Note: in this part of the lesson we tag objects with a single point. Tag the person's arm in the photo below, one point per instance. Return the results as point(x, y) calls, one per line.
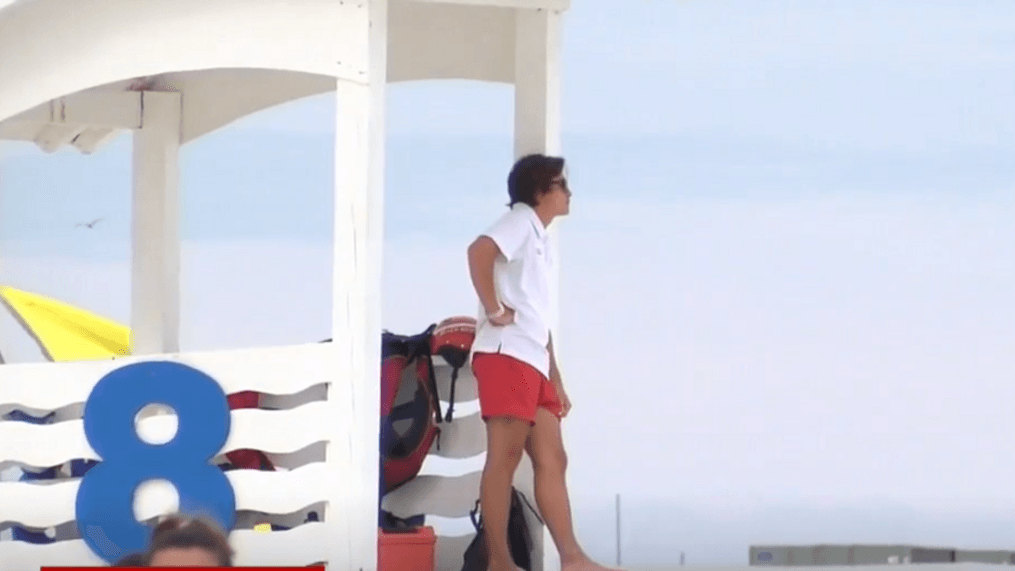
point(555, 376)
point(557, 380)
point(504, 238)
point(482, 254)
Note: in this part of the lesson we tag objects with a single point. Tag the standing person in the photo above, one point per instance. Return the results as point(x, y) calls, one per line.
point(521, 392)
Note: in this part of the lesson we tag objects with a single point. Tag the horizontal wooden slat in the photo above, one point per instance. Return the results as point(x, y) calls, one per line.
point(272, 401)
point(44, 445)
point(280, 492)
point(35, 505)
point(292, 460)
point(67, 412)
point(297, 547)
point(284, 460)
point(23, 556)
point(289, 376)
point(275, 370)
point(437, 495)
point(283, 430)
point(303, 545)
point(268, 401)
point(464, 437)
point(248, 519)
point(63, 532)
point(273, 431)
point(38, 506)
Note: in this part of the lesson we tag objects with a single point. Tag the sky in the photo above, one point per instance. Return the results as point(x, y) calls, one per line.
point(786, 281)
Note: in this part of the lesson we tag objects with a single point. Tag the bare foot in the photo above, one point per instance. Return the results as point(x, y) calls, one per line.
point(583, 563)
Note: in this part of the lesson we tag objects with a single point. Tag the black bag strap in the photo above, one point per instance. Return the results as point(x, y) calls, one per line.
point(433, 386)
point(420, 348)
point(414, 347)
point(451, 401)
point(477, 518)
point(525, 500)
point(477, 522)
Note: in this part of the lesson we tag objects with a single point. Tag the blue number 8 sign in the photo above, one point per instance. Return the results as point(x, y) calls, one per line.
point(105, 500)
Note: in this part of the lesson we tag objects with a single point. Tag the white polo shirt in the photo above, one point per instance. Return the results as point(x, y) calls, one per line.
point(521, 276)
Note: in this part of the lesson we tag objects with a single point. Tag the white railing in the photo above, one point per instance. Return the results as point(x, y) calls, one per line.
point(296, 421)
point(296, 437)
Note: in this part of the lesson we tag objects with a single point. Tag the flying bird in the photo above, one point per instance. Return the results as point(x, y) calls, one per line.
point(90, 224)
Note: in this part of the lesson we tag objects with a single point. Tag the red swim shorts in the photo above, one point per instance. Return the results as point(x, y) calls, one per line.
point(510, 387)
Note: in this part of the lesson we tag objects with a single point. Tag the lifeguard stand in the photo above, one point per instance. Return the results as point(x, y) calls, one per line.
point(81, 73)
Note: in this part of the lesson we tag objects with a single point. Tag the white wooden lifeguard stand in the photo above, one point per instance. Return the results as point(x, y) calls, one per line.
point(81, 73)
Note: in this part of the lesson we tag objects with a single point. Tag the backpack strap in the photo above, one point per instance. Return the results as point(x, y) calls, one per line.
point(525, 500)
point(451, 401)
point(477, 522)
point(421, 348)
point(415, 347)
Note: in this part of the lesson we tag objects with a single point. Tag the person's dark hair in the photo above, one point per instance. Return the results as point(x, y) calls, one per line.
point(132, 560)
point(180, 532)
point(531, 176)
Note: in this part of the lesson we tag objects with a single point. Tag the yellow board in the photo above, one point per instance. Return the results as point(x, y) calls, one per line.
point(65, 332)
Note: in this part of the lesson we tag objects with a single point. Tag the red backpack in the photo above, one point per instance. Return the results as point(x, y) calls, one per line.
point(410, 407)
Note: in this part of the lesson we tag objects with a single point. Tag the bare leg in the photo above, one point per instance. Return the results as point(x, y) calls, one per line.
point(549, 462)
point(505, 442)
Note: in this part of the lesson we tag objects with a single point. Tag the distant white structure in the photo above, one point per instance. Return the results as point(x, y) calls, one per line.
point(821, 555)
point(81, 73)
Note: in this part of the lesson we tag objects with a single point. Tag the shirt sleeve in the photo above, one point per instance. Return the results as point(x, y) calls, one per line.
point(509, 234)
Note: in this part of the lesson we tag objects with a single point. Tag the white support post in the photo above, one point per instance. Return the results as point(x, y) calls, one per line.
point(356, 325)
point(376, 160)
point(155, 287)
point(537, 130)
point(537, 82)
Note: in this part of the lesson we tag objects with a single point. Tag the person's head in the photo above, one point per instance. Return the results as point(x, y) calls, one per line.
point(538, 180)
point(188, 542)
point(132, 560)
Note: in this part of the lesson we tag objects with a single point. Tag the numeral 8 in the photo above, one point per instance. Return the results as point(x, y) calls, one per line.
point(105, 500)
